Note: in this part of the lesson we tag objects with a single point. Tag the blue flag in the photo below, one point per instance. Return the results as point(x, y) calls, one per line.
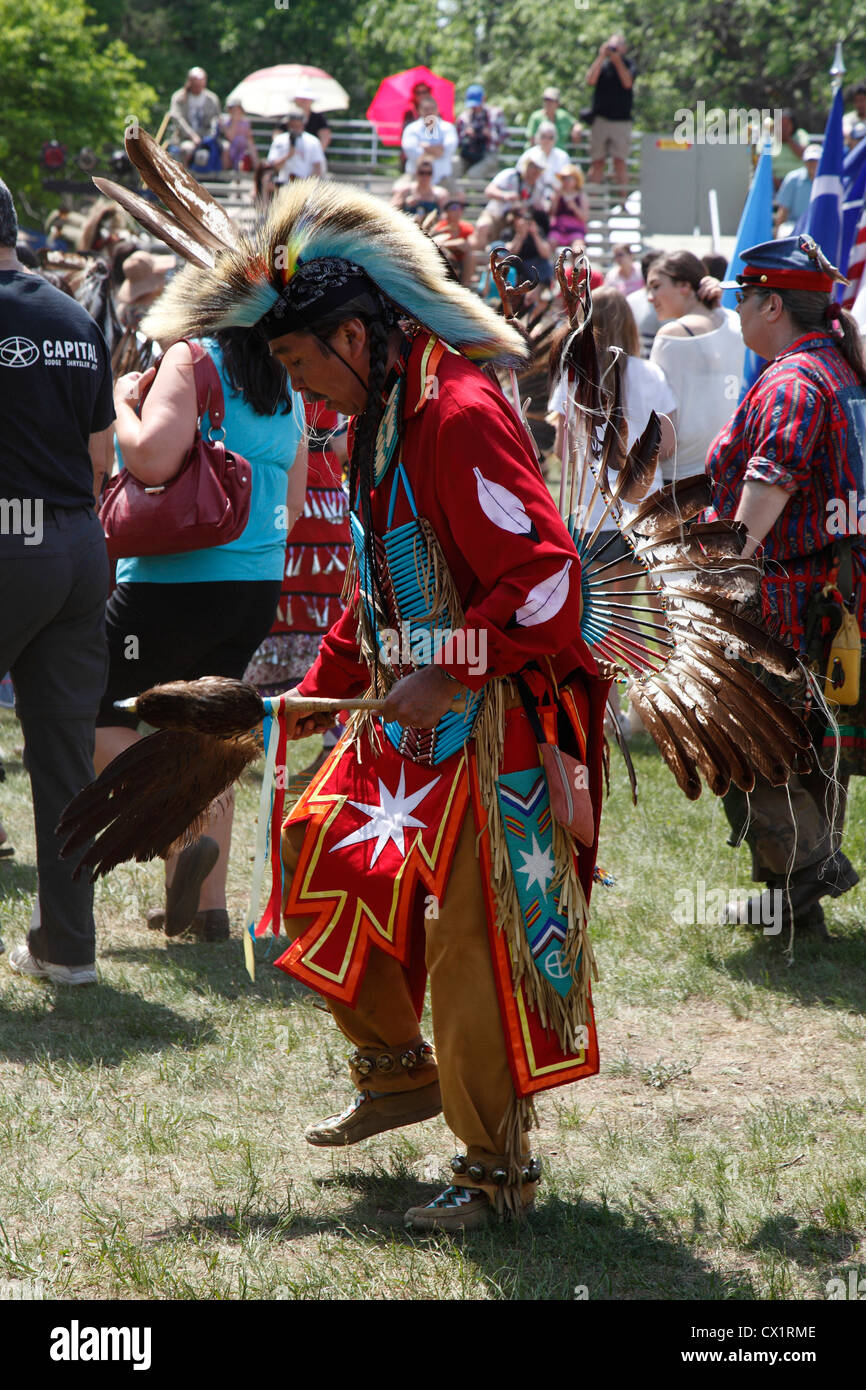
point(852, 208)
point(756, 226)
point(824, 216)
point(854, 161)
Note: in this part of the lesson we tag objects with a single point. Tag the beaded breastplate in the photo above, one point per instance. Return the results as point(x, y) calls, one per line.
point(418, 593)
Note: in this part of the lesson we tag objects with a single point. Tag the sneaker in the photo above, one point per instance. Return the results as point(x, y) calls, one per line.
point(455, 1209)
point(373, 1112)
point(181, 898)
point(21, 962)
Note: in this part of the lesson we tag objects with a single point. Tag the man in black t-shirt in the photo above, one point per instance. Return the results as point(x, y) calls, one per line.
point(56, 435)
point(314, 123)
point(612, 75)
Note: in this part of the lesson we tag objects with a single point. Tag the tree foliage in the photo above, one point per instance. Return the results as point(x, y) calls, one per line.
point(64, 75)
point(737, 53)
point(62, 78)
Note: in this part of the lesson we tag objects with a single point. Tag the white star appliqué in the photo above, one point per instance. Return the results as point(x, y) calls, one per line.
point(538, 866)
point(390, 819)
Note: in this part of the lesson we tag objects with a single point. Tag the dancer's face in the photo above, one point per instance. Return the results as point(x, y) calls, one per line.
point(321, 372)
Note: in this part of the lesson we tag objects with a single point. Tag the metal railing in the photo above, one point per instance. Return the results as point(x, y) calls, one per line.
point(357, 143)
point(357, 154)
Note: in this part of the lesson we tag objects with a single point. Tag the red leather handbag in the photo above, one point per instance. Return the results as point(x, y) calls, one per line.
point(206, 503)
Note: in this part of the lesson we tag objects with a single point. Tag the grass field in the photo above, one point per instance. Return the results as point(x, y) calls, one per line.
point(150, 1127)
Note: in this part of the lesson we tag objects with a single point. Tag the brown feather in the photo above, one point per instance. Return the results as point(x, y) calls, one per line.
point(714, 710)
point(754, 690)
point(640, 466)
point(722, 622)
point(161, 223)
point(211, 705)
point(667, 740)
point(678, 707)
point(679, 500)
point(717, 715)
point(699, 543)
point(720, 537)
point(190, 203)
point(770, 752)
point(150, 795)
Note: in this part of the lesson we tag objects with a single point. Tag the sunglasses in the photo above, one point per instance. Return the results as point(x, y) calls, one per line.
point(425, 169)
point(742, 295)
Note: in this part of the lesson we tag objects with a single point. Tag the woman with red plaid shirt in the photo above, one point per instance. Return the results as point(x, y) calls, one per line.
point(790, 457)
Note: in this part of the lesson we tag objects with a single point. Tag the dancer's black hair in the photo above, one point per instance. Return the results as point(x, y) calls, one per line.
point(380, 319)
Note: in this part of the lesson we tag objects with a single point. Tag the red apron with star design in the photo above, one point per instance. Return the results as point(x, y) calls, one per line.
point(380, 828)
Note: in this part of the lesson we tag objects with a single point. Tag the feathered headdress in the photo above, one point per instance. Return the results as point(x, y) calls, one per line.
point(312, 221)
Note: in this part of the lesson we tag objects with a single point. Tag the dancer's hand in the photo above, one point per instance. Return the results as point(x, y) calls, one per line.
point(300, 725)
point(419, 700)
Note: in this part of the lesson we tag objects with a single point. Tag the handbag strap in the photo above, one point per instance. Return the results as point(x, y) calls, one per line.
point(209, 398)
point(208, 387)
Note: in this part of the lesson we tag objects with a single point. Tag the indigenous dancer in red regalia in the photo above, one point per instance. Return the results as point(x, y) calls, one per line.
point(426, 846)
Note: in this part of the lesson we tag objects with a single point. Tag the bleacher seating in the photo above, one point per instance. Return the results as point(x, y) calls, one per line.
point(357, 155)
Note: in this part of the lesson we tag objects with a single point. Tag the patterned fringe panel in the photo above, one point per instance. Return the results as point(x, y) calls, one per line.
point(567, 1016)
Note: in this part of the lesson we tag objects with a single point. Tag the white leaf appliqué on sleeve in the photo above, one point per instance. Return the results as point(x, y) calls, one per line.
point(502, 507)
point(545, 600)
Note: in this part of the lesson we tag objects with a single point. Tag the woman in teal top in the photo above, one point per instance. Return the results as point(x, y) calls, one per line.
point(204, 612)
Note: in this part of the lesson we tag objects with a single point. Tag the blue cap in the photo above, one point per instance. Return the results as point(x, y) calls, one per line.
point(474, 94)
point(791, 263)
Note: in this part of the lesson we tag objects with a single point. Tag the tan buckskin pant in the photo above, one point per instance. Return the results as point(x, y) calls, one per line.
point(475, 1080)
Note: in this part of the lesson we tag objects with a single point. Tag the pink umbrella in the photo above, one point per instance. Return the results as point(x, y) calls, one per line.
point(394, 97)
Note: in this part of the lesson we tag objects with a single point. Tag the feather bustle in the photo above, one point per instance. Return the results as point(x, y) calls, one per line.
point(667, 740)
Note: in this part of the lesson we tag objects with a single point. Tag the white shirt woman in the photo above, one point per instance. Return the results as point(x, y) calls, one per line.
point(644, 389)
point(701, 352)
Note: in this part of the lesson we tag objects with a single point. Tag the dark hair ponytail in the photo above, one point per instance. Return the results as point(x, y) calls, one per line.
point(253, 372)
point(817, 313)
point(379, 318)
point(681, 267)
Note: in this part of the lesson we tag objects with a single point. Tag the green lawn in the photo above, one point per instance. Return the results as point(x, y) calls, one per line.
point(150, 1127)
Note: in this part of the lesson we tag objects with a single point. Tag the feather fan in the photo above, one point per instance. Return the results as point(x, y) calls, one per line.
point(152, 797)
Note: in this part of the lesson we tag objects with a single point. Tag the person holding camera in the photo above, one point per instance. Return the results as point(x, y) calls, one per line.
point(294, 154)
point(481, 132)
point(612, 75)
